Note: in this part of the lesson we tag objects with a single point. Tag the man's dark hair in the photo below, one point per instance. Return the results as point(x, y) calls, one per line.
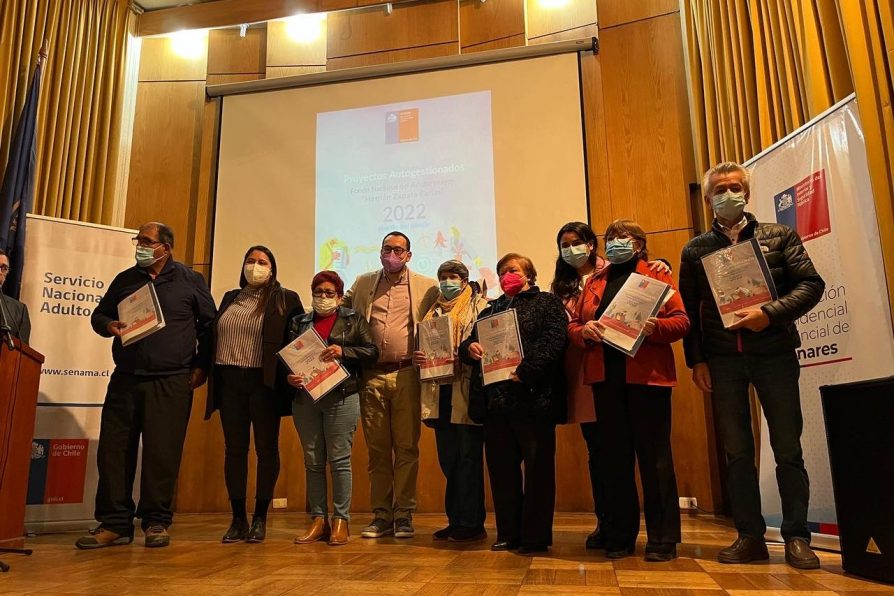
point(165, 233)
point(396, 233)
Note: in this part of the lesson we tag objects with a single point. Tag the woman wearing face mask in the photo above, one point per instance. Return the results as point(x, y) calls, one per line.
point(576, 263)
point(632, 402)
point(248, 331)
point(326, 427)
point(520, 415)
point(445, 406)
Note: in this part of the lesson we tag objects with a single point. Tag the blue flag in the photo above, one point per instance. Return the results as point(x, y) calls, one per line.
point(17, 191)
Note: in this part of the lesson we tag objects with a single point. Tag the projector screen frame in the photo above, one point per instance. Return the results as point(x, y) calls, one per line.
point(588, 44)
point(217, 94)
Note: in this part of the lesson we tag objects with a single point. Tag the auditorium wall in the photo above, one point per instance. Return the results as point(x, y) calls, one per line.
point(640, 165)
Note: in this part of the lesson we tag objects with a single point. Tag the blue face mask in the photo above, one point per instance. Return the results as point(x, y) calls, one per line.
point(729, 205)
point(145, 256)
point(451, 288)
point(619, 250)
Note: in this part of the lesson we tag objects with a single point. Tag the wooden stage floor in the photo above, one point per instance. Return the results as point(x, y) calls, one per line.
point(197, 563)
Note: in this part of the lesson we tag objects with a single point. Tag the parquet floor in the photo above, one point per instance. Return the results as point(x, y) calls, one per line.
point(197, 564)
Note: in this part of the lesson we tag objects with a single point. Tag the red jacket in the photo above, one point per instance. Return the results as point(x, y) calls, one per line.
point(654, 362)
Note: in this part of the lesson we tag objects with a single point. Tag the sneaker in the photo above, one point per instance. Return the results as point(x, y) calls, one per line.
point(462, 534)
point(403, 528)
point(378, 528)
point(442, 534)
point(101, 538)
point(157, 536)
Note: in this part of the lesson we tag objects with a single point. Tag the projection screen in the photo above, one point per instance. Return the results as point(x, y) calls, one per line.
point(470, 162)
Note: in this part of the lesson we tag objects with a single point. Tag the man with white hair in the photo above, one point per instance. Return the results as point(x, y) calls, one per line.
point(759, 349)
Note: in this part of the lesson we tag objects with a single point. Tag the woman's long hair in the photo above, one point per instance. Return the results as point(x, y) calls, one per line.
point(566, 281)
point(271, 286)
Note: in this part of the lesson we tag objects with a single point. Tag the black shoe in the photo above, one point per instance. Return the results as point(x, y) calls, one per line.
point(403, 528)
point(744, 550)
point(258, 531)
point(530, 549)
point(660, 553)
point(442, 534)
point(463, 534)
point(503, 545)
point(237, 531)
point(156, 536)
point(619, 552)
point(596, 540)
point(799, 555)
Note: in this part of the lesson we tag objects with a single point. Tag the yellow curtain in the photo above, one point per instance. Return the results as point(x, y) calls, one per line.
point(869, 37)
point(760, 69)
point(81, 98)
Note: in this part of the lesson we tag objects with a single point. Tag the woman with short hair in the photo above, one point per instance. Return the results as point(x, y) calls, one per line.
point(520, 414)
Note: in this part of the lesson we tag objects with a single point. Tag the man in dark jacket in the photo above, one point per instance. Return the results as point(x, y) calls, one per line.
point(150, 392)
point(15, 313)
point(759, 350)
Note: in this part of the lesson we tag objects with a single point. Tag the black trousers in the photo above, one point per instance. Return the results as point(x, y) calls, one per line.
point(461, 456)
point(246, 404)
point(635, 423)
point(590, 431)
point(776, 380)
point(523, 503)
point(156, 408)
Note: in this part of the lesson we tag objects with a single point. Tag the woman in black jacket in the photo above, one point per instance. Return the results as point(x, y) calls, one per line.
point(520, 415)
point(326, 426)
point(248, 331)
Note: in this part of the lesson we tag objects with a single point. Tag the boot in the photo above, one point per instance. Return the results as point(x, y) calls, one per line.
point(340, 532)
point(319, 530)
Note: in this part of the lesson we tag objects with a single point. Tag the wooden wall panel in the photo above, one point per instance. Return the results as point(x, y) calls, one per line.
point(544, 19)
point(166, 141)
point(228, 53)
point(503, 43)
point(647, 122)
point(488, 22)
point(289, 71)
point(223, 79)
point(352, 33)
point(598, 175)
point(591, 30)
point(282, 50)
point(420, 53)
point(222, 13)
point(619, 12)
point(160, 62)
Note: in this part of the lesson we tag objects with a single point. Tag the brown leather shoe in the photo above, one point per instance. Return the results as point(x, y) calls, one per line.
point(799, 555)
point(744, 550)
point(319, 530)
point(340, 532)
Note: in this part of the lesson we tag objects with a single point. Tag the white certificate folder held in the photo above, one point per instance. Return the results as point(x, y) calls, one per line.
point(303, 357)
point(739, 278)
point(498, 335)
point(639, 299)
point(435, 337)
point(141, 314)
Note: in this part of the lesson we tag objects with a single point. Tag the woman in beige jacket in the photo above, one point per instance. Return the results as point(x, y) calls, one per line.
point(445, 406)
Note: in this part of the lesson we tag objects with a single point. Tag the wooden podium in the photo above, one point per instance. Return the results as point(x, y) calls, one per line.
point(19, 381)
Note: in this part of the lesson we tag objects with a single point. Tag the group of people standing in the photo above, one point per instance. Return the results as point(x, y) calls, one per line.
point(567, 374)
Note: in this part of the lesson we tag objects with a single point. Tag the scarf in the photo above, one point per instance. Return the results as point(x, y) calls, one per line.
point(459, 310)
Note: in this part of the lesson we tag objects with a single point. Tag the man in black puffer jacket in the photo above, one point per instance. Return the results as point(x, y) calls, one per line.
point(758, 349)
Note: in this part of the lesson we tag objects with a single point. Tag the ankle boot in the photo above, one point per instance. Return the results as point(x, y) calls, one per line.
point(340, 532)
point(319, 530)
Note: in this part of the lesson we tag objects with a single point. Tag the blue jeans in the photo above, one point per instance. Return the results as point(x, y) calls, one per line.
point(775, 378)
point(326, 429)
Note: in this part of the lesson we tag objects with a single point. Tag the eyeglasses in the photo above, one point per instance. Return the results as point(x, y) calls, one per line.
point(143, 241)
point(393, 249)
point(4, 268)
point(325, 294)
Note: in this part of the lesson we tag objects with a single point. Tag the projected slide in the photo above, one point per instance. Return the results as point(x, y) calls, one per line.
point(424, 168)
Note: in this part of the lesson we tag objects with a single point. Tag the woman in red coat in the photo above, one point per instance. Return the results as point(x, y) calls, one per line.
point(633, 401)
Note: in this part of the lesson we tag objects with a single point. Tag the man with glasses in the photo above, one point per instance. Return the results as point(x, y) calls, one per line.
point(392, 299)
point(150, 392)
point(16, 313)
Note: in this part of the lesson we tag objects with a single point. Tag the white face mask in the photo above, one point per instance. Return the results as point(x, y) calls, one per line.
point(256, 274)
point(324, 306)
